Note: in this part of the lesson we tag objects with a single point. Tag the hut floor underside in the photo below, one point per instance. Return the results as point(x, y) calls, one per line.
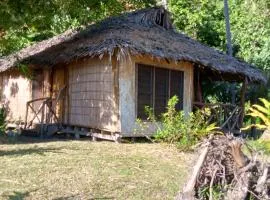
point(71, 130)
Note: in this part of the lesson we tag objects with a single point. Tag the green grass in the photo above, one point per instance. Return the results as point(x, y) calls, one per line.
point(91, 170)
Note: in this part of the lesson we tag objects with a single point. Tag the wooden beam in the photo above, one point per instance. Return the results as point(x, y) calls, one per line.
point(38, 99)
point(242, 101)
point(35, 114)
point(67, 111)
point(113, 136)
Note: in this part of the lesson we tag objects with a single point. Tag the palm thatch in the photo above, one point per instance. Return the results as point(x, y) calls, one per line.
point(144, 32)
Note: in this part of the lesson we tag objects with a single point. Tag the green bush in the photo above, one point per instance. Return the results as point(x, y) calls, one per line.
point(2, 121)
point(184, 131)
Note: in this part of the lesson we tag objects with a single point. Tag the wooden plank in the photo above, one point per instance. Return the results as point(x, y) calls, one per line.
point(112, 137)
point(42, 120)
point(38, 99)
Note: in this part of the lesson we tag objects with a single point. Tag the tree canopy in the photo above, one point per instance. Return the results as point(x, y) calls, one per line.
point(250, 26)
point(23, 22)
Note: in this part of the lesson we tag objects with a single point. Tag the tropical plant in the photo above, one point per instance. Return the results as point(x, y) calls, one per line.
point(261, 112)
point(183, 130)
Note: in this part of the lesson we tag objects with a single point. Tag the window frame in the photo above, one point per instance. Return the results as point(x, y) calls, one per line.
point(137, 65)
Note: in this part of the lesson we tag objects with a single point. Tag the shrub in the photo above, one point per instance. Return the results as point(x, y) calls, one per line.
point(2, 120)
point(184, 131)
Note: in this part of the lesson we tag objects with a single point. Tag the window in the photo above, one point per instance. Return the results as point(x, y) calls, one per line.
point(154, 88)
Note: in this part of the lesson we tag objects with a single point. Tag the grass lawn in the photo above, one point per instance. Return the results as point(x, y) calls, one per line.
point(91, 170)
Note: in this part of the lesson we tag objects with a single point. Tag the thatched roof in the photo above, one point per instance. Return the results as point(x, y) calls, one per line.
point(144, 32)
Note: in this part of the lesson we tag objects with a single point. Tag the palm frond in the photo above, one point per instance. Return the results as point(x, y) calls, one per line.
point(262, 112)
point(265, 102)
point(258, 126)
point(262, 109)
point(256, 113)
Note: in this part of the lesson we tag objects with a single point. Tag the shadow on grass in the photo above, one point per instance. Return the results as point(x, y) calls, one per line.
point(30, 139)
point(75, 197)
point(22, 152)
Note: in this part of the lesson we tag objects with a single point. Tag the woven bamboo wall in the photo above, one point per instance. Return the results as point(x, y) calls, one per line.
point(15, 92)
point(91, 99)
point(59, 82)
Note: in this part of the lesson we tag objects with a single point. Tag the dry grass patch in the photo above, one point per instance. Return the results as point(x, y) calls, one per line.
point(88, 170)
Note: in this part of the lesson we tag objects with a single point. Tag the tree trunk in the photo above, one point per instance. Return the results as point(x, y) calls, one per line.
point(228, 28)
point(229, 46)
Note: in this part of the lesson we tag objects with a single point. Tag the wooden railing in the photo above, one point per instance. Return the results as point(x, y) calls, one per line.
point(228, 117)
point(44, 114)
point(43, 111)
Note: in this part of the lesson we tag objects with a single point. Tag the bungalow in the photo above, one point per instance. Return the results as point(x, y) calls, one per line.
point(100, 79)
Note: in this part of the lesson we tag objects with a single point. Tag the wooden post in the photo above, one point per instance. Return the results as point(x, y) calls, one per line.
point(67, 111)
point(242, 101)
point(26, 116)
point(199, 87)
point(42, 120)
point(76, 133)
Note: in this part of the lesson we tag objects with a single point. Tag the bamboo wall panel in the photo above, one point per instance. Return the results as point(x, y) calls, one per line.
point(16, 91)
point(91, 95)
point(58, 84)
point(37, 86)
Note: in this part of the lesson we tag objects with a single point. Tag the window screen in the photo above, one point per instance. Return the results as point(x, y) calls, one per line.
point(154, 88)
point(145, 89)
point(161, 90)
point(177, 87)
